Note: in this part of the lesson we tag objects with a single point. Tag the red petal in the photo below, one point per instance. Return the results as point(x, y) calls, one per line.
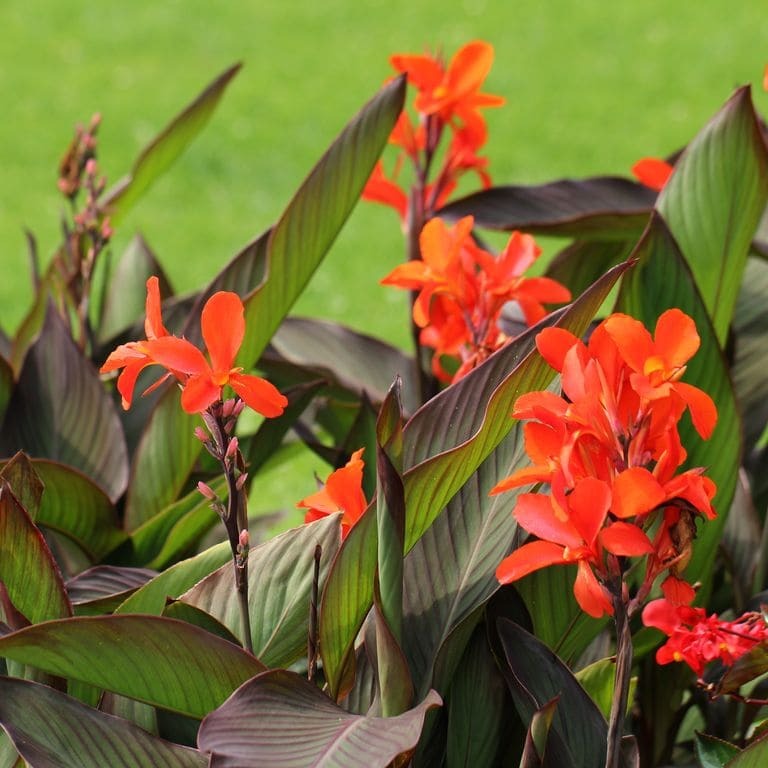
point(588, 505)
point(636, 492)
point(259, 394)
point(153, 322)
point(590, 594)
point(176, 355)
point(625, 539)
point(223, 326)
point(529, 558)
point(534, 512)
point(662, 615)
point(524, 476)
point(198, 393)
point(702, 408)
point(676, 338)
point(652, 172)
point(678, 591)
point(553, 344)
point(469, 66)
point(126, 382)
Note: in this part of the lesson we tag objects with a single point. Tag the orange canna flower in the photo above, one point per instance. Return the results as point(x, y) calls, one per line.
point(223, 329)
point(652, 172)
point(342, 492)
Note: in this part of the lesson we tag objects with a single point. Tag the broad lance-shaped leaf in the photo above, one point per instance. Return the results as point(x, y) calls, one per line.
point(444, 443)
point(714, 200)
point(25, 482)
point(280, 573)
point(535, 676)
point(53, 730)
point(662, 280)
point(27, 568)
point(59, 410)
point(712, 752)
point(102, 588)
point(77, 508)
point(270, 273)
point(598, 208)
point(279, 720)
point(163, 662)
point(163, 150)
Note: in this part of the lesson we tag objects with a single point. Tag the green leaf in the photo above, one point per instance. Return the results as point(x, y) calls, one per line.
point(536, 676)
point(714, 200)
point(598, 679)
point(280, 573)
point(712, 752)
point(27, 568)
point(75, 507)
point(53, 730)
point(102, 588)
point(178, 578)
point(126, 293)
point(6, 386)
point(754, 756)
point(662, 280)
point(538, 733)
point(745, 669)
point(347, 358)
point(26, 484)
point(155, 159)
point(159, 661)
point(59, 410)
point(273, 270)
point(475, 708)
point(163, 459)
point(601, 208)
point(279, 720)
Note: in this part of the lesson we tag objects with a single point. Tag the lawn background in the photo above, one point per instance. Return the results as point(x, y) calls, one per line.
point(590, 87)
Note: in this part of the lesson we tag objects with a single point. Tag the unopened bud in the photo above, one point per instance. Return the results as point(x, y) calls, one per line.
point(90, 166)
point(201, 434)
point(232, 448)
point(206, 490)
point(238, 407)
point(240, 482)
point(244, 539)
point(227, 407)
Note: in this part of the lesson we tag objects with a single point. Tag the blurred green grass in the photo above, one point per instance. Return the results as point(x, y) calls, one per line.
point(590, 87)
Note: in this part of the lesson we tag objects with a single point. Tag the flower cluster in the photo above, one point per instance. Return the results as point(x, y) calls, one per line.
point(463, 288)
point(609, 450)
point(446, 97)
point(342, 492)
point(698, 639)
point(223, 328)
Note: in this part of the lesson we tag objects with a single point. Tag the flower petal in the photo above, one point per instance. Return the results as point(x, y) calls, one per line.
point(625, 540)
point(592, 597)
point(176, 355)
point(553, 344)
point(259, 394)
point(528, 558)
point(534, 512)
point(676, 338)
point(701, 406)
point(223, 326)
point(636, 492)
point(652, 172)
point(199, 392)
point(153, 321)
point(632, 338)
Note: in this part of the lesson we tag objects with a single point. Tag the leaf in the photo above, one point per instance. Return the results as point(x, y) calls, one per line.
point(714, 200)
point(598, 680)
point(475, 708)
point(395, 687)
point(163, 459)
point(126, 291)
point(155, 159)
point(279, 720)
point(178, 578)
point(26, 484)
point(712, 752)
point(102, 588)
point(754, 756)
point(538, 733)
point(75, 507)
point(600, 208)
point(27, 568)
point(6, 386)
point(745, 669)
point(271, 274)
point(53, 730)
point(347, 358)
point(163, 662)
point(662, 280)
point(535, 677)
point(280, 573)
point(59, 410)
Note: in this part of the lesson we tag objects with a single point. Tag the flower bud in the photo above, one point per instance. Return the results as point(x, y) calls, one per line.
point(206, 490)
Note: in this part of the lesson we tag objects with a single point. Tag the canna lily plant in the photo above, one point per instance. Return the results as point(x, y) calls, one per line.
point(553, 552)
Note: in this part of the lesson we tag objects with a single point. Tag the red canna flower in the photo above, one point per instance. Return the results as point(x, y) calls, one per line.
point(223, 329)
point(698, 639)
point(652, 172)
point(343, 492)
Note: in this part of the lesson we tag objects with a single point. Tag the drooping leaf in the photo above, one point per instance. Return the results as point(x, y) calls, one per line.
point(192, 615)
point(350, 359)
point(102, 588)
point(279, 720)
point(27, 568)
point(280, 573)
point(163, 150)
point(475, 708)
point(178, 578)
point(60, 411)
point(662, 280)
point(600, 208)
point(712, 752)
point(271, 274)
point(713, 203)
point(25, 482)
point(536, 676)
point(75, 507)
point(126, 291)
point(53, 730)
point(163, 662)
point(163, 459)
